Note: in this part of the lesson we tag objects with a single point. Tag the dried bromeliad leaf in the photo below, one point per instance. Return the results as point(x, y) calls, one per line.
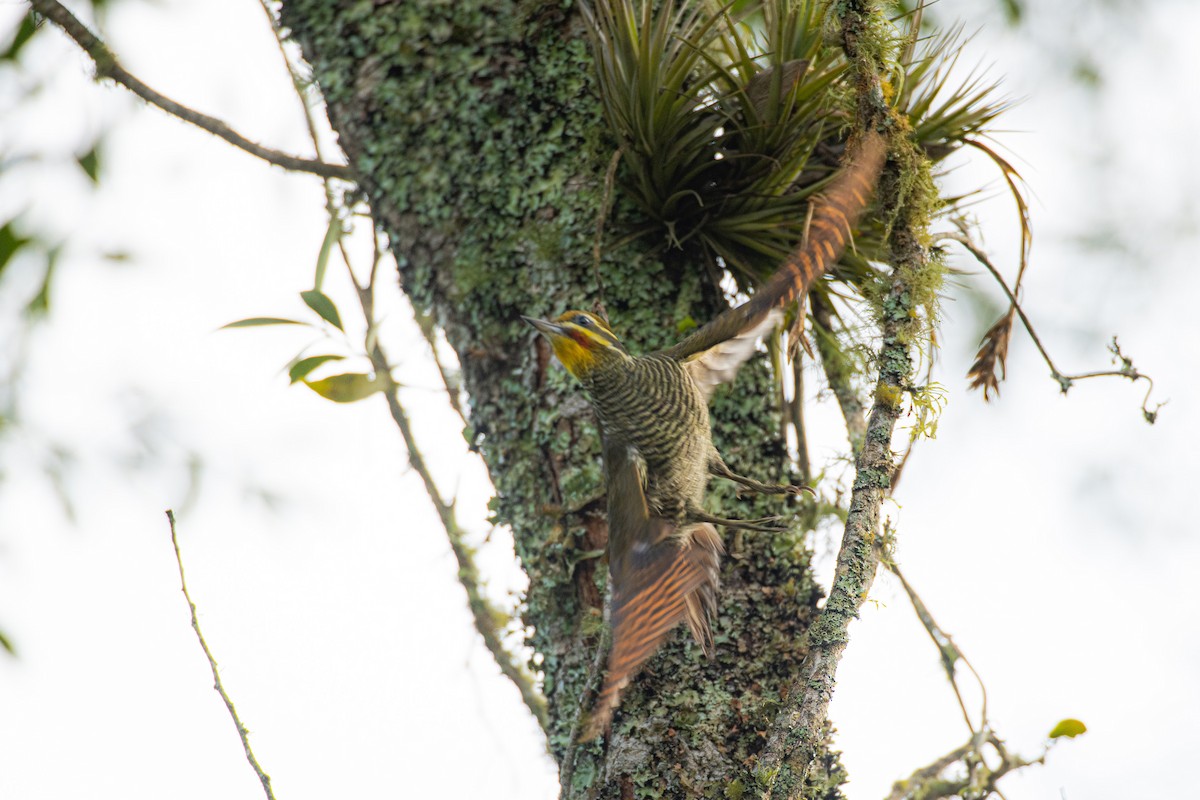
point(989, 367)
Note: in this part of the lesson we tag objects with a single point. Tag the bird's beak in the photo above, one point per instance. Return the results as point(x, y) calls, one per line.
point(548, 328)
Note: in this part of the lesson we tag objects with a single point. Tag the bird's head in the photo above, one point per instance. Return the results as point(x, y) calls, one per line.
point(581, 340)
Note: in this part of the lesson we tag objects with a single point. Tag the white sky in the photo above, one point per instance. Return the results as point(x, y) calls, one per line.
point(1052, 537)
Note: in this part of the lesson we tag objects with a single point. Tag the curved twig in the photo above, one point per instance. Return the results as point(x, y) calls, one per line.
point(212, 663)
point(949, 651)
point(107, 66)
point(1064, 380)
point(930, 783)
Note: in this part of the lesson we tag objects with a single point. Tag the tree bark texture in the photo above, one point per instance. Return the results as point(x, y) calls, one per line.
point(476, 133)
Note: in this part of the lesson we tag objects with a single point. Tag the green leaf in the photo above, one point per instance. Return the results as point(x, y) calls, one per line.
point(89, 162)
point(10, 243)
point(25, 32)
point(346, 388)
point(6, 644)
point(39, 304)
point(300, 369)
point(324, 307)
point(254, 322)
point(332, 234)
point(1069, 728)
point(1013, 11)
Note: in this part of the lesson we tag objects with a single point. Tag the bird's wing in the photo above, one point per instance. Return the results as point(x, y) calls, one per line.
point(835, 213)
point(719, 363)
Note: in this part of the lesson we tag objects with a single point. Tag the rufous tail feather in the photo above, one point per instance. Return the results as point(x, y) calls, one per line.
point(651, 595)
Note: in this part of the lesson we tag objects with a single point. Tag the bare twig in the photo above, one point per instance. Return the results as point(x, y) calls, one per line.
point(484, 614)
point(947, 649)
point(920, 778)
point(931, 782)
point(962, 238)
point(243, 734)
point(837, 376)
point(797, 409)
point(450, 377)
point(1064, 380)
point(978, 777)
point(107, 66)
point(567, 772)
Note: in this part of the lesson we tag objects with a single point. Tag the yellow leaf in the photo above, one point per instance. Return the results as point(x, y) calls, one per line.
point(1069, 728)
point(346, 388)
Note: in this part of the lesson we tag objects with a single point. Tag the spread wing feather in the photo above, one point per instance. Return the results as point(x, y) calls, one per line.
point(719, 363)
point(658, 580)
point(835, 213)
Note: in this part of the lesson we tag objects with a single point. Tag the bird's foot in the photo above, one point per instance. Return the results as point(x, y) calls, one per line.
point(760, 524)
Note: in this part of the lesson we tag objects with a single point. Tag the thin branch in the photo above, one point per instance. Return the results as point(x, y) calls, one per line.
point(795, 737)
point(962, 238)
point(567, 772)
point(483, 612)
point(366, 292)
point(212, 663)
point(979, 778)
point(1064, 380)
point(797, 409)
point(921, 778)
point(948, 650)
point(837, 377)
point(107, 66)
point(450, 377)
point(929, 783)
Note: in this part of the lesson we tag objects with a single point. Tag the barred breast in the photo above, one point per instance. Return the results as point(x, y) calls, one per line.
point(652, 404)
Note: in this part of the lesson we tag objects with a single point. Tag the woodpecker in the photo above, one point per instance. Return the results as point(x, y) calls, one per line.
point(663, 549)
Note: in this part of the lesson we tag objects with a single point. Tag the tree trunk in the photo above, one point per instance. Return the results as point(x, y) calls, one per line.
point(478, 138)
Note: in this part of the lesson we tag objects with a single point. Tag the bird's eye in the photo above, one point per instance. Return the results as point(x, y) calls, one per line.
point(583, 321)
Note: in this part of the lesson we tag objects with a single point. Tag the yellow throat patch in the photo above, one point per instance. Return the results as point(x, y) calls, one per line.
point(579, 339)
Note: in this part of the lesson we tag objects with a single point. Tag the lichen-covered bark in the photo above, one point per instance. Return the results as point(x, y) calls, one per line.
point(479, 142)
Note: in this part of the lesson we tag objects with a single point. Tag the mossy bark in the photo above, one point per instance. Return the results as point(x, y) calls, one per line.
point(477, 136)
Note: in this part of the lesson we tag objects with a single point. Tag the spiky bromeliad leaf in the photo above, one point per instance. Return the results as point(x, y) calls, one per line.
point(718, 118)
point(944, 115)
point(943, 120)
point(652, 96)
point(730, 117)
